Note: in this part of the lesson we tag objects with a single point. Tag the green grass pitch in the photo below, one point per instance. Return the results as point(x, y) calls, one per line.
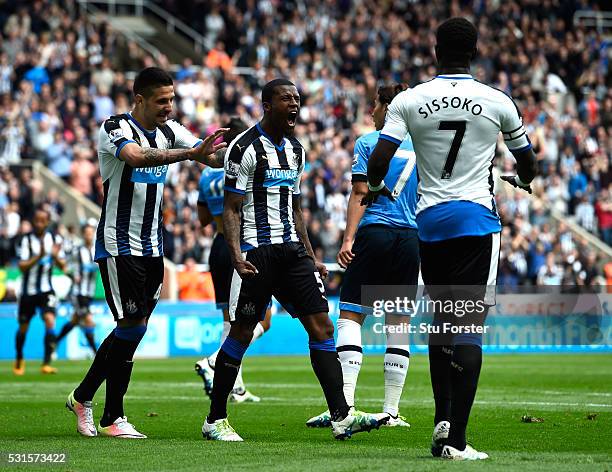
point(562, 389)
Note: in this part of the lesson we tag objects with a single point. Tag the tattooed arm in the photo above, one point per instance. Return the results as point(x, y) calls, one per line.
point(232, 207)
point(205, 152)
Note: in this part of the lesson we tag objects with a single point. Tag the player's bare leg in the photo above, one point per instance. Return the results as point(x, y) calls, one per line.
point(20, 337)
point(49, 343)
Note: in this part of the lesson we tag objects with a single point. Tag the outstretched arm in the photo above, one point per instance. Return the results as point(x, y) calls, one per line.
point(205, 152)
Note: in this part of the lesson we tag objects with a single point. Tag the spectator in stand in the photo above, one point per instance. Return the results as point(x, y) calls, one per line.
point(195, 285)
point(59, 72)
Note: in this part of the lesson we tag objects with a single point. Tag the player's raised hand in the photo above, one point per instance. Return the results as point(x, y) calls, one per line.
point(372, 196)
point(55, 251)
point(203, 151)
point(512, 180)
point(245, 269)
point(345, 256)
point(322, 269)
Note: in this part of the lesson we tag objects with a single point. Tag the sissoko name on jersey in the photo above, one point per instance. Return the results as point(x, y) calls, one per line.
point(454, 122)
point(131, 220)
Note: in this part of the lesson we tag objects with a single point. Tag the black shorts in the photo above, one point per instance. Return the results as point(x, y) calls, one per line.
point(221, 269)
point(285, 271)
point(46, 302)
point(81, 305)
point(383, 256)
point(461, 270)
point(132, 284)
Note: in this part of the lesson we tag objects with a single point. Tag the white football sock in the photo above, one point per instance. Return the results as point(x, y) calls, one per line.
point(397, 360)
point(350, 354)
point(258, 331)
point(213, 357)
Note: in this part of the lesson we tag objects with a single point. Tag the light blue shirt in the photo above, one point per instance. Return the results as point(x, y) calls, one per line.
point(211, 190)
point(401, 212)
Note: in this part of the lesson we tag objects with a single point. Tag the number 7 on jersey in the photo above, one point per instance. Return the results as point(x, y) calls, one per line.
point(459, 128)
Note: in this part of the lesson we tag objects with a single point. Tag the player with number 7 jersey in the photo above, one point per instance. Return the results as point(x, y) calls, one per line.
point(454, 122)
point(380, 247)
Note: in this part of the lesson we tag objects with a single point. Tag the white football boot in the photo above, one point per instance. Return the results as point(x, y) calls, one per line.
point(242, 395)
point(121, 428)
point(468, 454)
point(397, 421)
point(220, 430)
point(440, 434)
point(84, 413)
point(320, 421)
point(207, 373)
point(357, 422)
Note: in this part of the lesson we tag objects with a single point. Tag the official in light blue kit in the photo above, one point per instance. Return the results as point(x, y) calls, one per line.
point(380, 247)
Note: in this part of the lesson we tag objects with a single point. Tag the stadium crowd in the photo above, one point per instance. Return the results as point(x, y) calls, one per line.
point(61, 75)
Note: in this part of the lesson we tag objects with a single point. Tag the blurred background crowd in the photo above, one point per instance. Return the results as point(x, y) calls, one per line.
point(61, 75)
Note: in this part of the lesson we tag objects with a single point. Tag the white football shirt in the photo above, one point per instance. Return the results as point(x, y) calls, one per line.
point(454, 122)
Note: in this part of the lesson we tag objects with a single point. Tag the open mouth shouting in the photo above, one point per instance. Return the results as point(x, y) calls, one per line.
point(292, 118)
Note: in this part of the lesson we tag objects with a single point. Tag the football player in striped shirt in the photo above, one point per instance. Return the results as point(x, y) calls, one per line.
point(83, 271)
point(210, 210)
point(135, 150)
point(454, 122)
point(272, 255)
point(39, 252)
point(381, 236)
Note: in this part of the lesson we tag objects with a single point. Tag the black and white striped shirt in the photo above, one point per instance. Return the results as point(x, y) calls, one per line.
point(131, 220)
point(83, 270)
point(37, 279)
point(269, 176)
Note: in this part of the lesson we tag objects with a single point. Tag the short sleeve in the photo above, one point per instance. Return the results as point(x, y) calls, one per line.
point(183, 138)
point(239, 167)
point(113, 137)
point(298, 179)
point(24, 249)
point(511, 122)
point(202, 189)
point(360, 161)
point(396, 120)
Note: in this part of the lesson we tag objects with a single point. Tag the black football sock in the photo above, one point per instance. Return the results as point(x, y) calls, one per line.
point(120, 366)
point(440, 357)
point(465, 371)
point(96, 373)
point(65, 330)
point(89, 335)
point(226, 370)
point(19, 342)
point(49, 345)
point(327, 368)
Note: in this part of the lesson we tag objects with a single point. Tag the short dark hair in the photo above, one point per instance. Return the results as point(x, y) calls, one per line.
point(268, 91)
point(150, 78)
point(236, 126)
point(456, 40)
point(386, 93)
